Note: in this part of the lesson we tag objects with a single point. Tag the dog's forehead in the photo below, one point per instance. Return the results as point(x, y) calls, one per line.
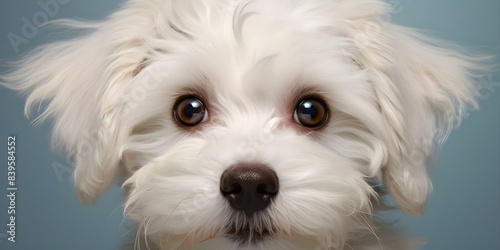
point(254, 50)
point(260, 53)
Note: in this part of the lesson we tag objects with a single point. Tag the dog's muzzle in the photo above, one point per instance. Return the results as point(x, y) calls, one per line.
point(249, 187)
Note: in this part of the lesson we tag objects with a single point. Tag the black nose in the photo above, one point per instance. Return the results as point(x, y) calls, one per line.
point(249, 187)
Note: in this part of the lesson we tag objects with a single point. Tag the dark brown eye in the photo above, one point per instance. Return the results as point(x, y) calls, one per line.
point(311, 113)
point(190, 111)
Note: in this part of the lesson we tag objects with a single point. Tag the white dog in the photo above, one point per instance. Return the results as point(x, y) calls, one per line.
point(259, 124)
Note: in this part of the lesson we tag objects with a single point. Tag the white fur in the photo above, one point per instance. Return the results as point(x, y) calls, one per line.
point(393, 94)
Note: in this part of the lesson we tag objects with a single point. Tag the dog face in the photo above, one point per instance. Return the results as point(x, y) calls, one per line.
point(251, 123)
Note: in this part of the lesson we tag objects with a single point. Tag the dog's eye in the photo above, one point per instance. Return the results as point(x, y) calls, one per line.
point(311, 113)
point(190, 111)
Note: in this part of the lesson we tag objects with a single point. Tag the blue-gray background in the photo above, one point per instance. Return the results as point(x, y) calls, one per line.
point(463, 213)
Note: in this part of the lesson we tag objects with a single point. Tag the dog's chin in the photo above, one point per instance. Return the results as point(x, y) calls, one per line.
point(245, 230)
point(247, 235)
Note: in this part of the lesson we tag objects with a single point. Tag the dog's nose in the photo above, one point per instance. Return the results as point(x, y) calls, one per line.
point(249, 187)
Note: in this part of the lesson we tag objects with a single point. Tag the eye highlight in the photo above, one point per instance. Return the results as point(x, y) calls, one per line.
point(311, 113)
point(190, 111)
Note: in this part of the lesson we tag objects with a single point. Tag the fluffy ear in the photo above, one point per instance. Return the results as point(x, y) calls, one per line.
point(80, 83)
point(423, 88)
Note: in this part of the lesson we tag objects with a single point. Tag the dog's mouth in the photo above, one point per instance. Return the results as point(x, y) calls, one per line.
point(247, 235)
